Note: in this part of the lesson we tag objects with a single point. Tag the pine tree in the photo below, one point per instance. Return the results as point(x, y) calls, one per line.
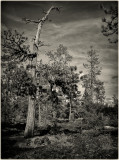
point(110, 27)
point(90, 80)
point(13, 45)
point(99, 92)
point(63, 75)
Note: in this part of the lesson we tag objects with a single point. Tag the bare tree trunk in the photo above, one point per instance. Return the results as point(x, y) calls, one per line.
point(39, 116)
point(54, 115)
point(36, 44)
point(46, 110)
point(70, 113)
point(41, 22)
point(29, 130)
point(5, 104)
point(31, 106)
point(70, 108)
point(30, 122)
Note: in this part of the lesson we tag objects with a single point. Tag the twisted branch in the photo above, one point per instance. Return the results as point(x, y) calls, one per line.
point(40, 23)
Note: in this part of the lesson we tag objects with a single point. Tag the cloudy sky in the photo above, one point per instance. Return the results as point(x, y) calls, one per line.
point(77, 26)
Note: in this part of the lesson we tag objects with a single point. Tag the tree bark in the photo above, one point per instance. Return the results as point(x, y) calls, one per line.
point(41, 24)
point(54, 115)
point(29, 129)
point(39, 116)
point(46, 110)
point(36, 43)
point(70, 113)
point(70, 109)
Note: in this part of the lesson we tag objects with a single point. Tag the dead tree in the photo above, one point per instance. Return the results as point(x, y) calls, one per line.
point(29, 129)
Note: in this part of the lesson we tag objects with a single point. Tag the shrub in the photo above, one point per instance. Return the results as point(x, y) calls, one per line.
point(90, 146)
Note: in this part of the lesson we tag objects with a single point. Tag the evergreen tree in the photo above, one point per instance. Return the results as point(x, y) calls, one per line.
point(14, 46)
point(63, 75)
point(100, 92)
point(110, 27)
point(90, 80)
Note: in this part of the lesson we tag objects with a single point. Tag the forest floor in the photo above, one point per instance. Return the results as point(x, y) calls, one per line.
point(66, 143)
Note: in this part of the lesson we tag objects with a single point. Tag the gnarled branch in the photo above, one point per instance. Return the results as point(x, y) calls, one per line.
point(40, 23)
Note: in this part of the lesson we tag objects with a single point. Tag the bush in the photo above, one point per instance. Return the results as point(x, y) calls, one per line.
point(91, 146)
point(95, 116)
point(92, 120)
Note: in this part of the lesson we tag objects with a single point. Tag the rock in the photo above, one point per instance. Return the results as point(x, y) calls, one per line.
point(38, 141)
point(110, 128)
point(33, 142)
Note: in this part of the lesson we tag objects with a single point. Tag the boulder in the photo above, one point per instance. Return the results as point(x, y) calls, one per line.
point(33, 142)
point(38, 141)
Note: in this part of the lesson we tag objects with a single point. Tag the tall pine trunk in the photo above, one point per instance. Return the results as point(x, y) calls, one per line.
point(39, 116)
point(29, 129)
point(46, 110)
point(70, 108)
point(30, 122)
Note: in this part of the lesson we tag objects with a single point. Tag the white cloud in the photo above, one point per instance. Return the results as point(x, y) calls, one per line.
point(55, 25)
point(14, 18)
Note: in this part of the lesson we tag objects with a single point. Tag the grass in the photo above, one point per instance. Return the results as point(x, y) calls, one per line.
point(90, 144)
